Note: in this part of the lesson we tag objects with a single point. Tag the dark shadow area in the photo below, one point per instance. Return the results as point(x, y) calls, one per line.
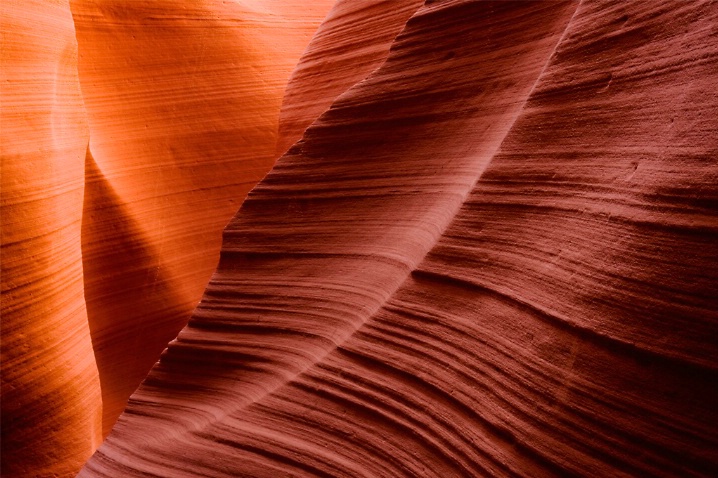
point(133, 307)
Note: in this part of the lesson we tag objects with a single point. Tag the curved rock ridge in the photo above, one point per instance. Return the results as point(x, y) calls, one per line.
point(578, 280)
point(51, 407)
point(332, 231)
point(183, 101)
point(351, 43)
point(466, 269)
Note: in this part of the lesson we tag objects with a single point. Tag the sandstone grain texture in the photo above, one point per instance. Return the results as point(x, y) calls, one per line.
point(351, 43)
point(183, 101)
point(122, 160)
point(493, 256)
point(51, 408)
point(489, 247)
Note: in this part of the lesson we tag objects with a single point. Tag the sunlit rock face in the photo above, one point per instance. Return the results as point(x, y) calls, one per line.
point(183, 101)
point(491, 253)
point(51, 407)
point(131, 133)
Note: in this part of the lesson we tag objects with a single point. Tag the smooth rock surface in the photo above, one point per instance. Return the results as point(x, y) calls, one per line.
point(183, 101)
point(51, 407)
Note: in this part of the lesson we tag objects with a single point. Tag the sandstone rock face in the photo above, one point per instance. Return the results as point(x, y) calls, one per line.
point(493, 255)
point(488, 249)
point(183, 100)
point(351, 43)
point(179, 102)
point(51, 408)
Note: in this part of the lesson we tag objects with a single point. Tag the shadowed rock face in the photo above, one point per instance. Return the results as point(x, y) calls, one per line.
point(340, 54)
point(489, 247)
point(494, 255)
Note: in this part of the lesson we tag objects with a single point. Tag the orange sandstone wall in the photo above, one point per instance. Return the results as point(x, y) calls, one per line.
point(51, 407)
point(334, 229)
point(183, 101)
point(488, 249)
point(179, 102)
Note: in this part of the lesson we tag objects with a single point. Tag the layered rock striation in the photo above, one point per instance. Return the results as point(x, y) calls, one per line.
point(183, 102)
point(494, 255)
point(131, 132)
point(488, 248)
point(51, 407)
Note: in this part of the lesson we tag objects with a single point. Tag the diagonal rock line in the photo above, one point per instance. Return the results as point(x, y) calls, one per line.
point(341, 340)
point(232, 251)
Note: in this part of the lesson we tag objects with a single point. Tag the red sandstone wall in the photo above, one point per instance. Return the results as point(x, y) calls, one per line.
point(493, 256)
point(350, 43)
point(489, 247)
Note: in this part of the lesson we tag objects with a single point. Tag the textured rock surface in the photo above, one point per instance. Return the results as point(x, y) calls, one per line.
point(351, 43)
point(180, 106)
point(492, 251)
point(51, 409)
point(183, 100)
point(493, 257)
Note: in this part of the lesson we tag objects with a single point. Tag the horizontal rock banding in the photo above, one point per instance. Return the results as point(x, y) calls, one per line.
point(180, 105)
point(51, 408)
point(532, 339)
point(343, 217)
point(340, 54)
point(183, 102)
point(491, 253)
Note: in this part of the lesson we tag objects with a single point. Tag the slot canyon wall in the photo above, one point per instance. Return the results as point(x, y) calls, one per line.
point(183, 100)
point(488, 247)
point(131, 132)
point(51, 399)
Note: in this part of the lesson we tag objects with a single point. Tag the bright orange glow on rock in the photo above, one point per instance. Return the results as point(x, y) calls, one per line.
point(51, 406)
point(179, 103)
point(183, 101)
